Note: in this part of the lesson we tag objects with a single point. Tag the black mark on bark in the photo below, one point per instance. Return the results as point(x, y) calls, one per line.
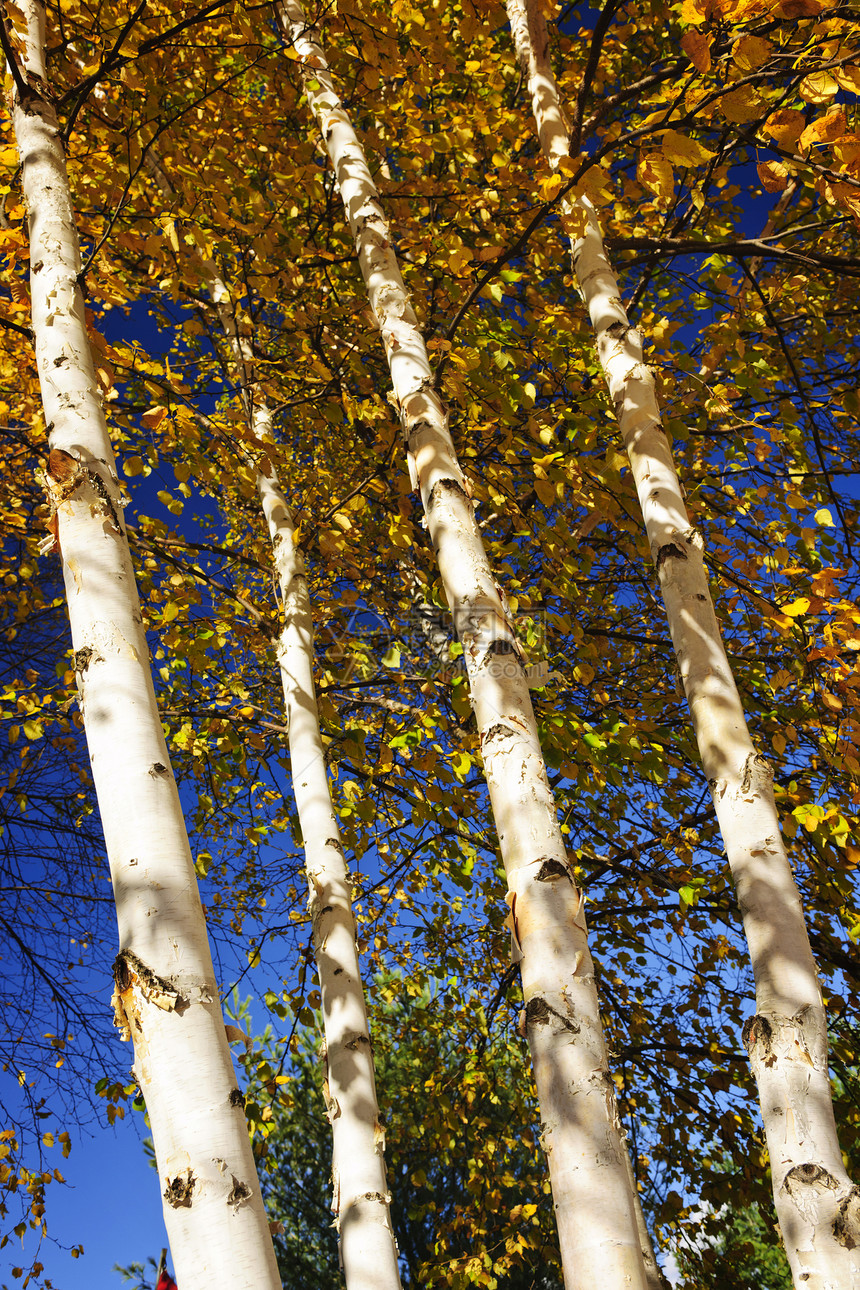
point(85, 656)
point(539, 1012)
point(551, 869)
point(669, 552)
point(240, 1192)
point(808, 1175)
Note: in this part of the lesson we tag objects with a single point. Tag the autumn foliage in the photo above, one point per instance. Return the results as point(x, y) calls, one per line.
point(720, 142)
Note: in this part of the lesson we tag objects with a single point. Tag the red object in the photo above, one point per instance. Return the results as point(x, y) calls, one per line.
point(165, 1282)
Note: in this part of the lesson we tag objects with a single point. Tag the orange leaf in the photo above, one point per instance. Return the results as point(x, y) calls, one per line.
point(825, 129)
point(786, 126)
point(697, 46)
point(773, 176)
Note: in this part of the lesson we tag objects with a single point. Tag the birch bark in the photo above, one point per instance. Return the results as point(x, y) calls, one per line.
point(166, 998)
point(361, 1199)
point(592, 1196)
point(817, 1205)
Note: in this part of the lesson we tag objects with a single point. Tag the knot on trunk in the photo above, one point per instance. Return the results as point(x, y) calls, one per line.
point(498, 731)
point(807, 1184)
point(538, 1012)
point(551, 869)
point(758, 1033)
point(670, 551)
point(443, 486)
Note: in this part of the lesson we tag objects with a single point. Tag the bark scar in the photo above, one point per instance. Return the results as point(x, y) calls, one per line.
point(179, 1190)
point(538, 1013)
point(239, 1195)
point(129, 971)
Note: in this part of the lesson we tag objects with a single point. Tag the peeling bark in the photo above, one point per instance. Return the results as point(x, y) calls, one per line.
point(593, 1200)
point(788, 1037)
point(182, 1061)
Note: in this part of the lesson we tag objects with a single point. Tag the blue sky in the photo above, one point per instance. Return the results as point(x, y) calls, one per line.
point(110, 1204)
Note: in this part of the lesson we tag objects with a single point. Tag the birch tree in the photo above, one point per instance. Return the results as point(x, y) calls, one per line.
point(815, 1199)
point(368, 1252)
point(165, 997)
point(584, 1143)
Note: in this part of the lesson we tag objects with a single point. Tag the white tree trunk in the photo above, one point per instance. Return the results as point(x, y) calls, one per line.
point(818, 1208)
point(593, 1201)
point(166, 997)
point(361, 1199)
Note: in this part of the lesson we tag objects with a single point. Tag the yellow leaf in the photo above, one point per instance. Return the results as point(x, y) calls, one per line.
point(742, 105)
point(593, 186)
point(773, 176)
point(797, 607)
point(656, 174)
point(846, 151)
point(697, 46)
point(825, 129)
point(459, 260)
point(683, 151)
point(786, 126)
point(848, 78)
point(170, 611)
point(545, 491)
point(751, 52)
point(824, 518)
point(550, 187)
point(169, 227)
point(574, 219)
point(693, 11)
point(9, 156)
point(820, 87)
